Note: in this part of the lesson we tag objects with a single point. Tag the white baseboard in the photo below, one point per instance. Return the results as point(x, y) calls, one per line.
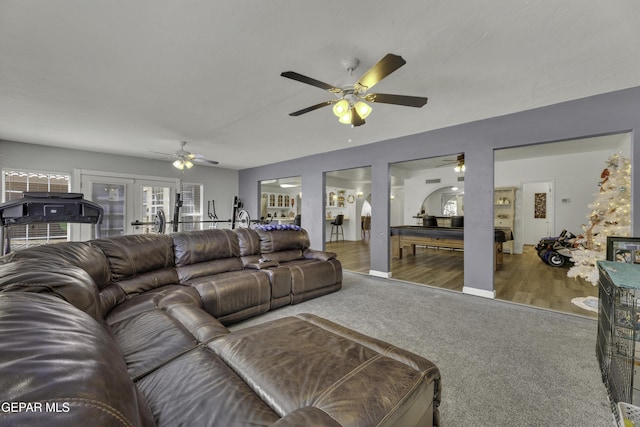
point(479, 292)
point(383, 274)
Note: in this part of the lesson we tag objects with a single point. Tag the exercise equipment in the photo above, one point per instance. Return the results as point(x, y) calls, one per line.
point(240, 217)
point(43, 207)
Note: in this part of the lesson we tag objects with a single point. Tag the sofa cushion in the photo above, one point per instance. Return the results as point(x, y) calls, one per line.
point(53, 354)
point(156, 298)
point(150, 340)
point(70, 283)
point(154, 338)
point(80, 254)
point(207, 268)
point(284, 256)
point(312, 278)
point(149, 280)
point(282, 240)
point(319, 255)
point(199, 389)
point(280, 279)
point(307, 416)
point(235, 295)
point(342, 373)
point(133, 255)
point(248, 240)
point(193, 247)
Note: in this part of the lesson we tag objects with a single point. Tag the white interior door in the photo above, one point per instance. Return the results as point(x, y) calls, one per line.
point(537, 207)
point(113, 194)
point(126, 199)
point(153, 197)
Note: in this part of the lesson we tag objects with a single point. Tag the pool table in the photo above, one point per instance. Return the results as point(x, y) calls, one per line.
point(438, 237)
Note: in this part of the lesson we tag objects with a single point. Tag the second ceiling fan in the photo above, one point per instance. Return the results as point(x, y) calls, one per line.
point(350, 106)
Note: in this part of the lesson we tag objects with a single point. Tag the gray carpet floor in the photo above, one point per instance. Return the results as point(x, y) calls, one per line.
point(502, 364)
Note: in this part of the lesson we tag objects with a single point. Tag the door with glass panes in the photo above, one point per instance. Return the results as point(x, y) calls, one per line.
point(127, 200)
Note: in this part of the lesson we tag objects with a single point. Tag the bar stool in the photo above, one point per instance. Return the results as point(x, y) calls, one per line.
point(366, 227)
point(336, 228)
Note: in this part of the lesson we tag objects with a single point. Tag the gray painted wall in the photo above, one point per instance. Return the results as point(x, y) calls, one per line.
point(220, 184)
point(602, 114)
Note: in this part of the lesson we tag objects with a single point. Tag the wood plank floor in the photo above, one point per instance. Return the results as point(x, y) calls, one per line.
point(522, 279)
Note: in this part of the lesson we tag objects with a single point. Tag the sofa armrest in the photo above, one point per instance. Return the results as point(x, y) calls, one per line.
point(262, 264)
point(319, 255)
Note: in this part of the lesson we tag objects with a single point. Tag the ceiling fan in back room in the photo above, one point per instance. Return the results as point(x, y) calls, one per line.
point(350, 106)
point(458, 162)
point(183, 159)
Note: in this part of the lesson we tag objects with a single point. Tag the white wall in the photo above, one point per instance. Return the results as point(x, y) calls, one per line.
point(220, 184)
point(416, 189)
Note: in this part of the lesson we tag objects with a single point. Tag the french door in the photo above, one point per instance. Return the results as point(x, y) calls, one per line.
point(126, 199)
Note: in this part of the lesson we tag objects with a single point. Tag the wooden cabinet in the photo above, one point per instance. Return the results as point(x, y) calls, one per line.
point(274, 200)
point(504, 211)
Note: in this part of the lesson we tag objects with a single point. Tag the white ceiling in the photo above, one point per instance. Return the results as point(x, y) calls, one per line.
point(131, 77)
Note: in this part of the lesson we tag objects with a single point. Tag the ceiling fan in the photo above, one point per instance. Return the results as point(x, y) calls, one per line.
point(459, 162)
point(183, 159)
point(350, 106)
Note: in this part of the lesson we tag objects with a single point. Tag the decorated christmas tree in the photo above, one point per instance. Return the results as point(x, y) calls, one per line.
point(610, 215)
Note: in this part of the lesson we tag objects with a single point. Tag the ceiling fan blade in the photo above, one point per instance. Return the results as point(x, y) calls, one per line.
point(205, 161)
point(308, 80)
point(385, 98)
point(356, 119)
point(313, 107)
point(162, 154)
point(382, 69)
point(200, 158)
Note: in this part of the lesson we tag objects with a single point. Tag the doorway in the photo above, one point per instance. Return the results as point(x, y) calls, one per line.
point(280, 200)
point(554, 185)
point(345, 192)
point(432, 191)
point(348, 193)
point(126, 199)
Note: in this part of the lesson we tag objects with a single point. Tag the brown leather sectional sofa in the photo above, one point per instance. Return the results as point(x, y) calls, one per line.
point(130, 331)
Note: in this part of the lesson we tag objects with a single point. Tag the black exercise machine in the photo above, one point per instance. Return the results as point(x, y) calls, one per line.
point(240, 217)
point(42, 207)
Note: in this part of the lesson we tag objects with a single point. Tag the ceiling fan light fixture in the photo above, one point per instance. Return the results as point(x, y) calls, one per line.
point(363, 109)
point(346, 118)
point(350, 95)
point(341, 108)
point(459, 168)
point(180, 164)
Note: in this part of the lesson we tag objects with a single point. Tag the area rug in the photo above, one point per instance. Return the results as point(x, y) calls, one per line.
point(587, 303)
point(500, 362)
